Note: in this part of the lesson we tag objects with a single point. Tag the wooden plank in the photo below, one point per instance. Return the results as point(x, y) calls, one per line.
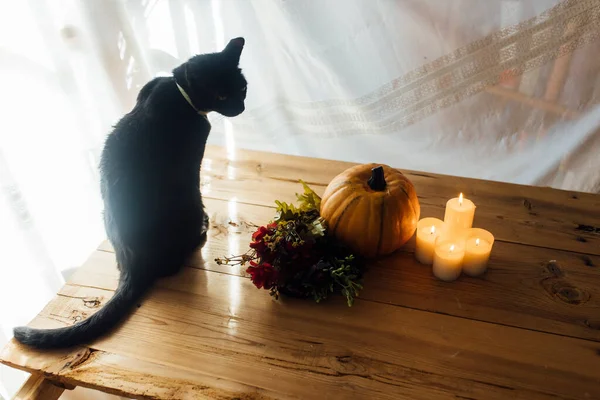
point(39, 388)
point(250, 163)
point(124, 376)
point(528, 287)
point(536, 216)
point(218, 325)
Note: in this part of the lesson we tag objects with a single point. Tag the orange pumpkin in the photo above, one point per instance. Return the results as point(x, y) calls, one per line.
point(372, 208)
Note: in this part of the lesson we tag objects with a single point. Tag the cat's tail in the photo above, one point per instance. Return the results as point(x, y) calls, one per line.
point(130, 290)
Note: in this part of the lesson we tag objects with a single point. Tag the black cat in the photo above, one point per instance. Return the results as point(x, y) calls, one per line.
point(150, 181)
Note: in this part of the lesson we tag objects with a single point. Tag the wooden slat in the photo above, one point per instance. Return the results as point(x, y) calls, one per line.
point(124, 376)
point(38, 388)
point(536, 216)
point(213, 324)
point(529, 287)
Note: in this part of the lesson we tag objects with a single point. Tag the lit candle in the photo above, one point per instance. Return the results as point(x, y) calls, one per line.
point(459, 213)
point(478, 247)
point(427, 231)
point(448, 258)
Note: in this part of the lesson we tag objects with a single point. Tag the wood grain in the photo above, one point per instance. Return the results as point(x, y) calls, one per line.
point(219, 325)
point(528, 287)
point(124, 376)
point(38, 388)
point(535, 216)
point(529, 328)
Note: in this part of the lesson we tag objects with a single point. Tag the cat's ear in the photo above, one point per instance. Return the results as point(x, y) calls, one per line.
point(234, 49)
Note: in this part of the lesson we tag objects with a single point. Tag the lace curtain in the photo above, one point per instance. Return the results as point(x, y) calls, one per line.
point(496, 89)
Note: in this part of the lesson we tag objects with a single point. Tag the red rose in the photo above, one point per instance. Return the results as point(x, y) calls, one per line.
point(260, 247)
point(272, 226)
point(258, 240)
point(259, 234)
point(262, 275)
point(267, 257)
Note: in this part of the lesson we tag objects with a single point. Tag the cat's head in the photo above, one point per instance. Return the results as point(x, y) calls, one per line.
point(214, 81)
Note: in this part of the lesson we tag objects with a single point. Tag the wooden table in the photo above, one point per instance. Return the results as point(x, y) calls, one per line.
point(529, 329)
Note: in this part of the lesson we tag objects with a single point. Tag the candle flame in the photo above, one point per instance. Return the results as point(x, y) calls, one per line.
point(460, 199)
point(432, 229)
point(452, 248)
point(477, 242)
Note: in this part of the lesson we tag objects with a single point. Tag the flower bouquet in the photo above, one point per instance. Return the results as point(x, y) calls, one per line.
point(294, 256)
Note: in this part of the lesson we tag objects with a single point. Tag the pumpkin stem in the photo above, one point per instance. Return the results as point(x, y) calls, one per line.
point(377, 180)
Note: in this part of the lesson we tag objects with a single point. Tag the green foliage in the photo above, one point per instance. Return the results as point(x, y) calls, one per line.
point(306, 260)
point(344, 275)
point(286, 211)
point(308, 202)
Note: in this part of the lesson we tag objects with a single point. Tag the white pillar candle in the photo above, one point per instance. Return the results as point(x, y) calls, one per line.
point(427, 231)
point(478, 247)
point(459, 213)
point(448, 257)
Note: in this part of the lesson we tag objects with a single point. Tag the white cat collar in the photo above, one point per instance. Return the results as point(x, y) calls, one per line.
point(187, 98)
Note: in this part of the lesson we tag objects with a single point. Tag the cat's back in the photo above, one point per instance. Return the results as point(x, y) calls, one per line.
point(137, 131)
point(158, 140)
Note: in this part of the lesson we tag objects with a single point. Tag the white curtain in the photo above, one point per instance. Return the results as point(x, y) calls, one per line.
point(343, 79)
